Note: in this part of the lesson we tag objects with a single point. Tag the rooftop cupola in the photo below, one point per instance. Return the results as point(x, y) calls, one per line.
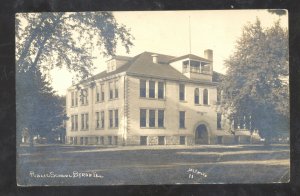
point(195, 67)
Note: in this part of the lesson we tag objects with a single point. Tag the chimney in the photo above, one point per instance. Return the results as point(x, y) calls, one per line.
point(154, 58)
point(208, 54)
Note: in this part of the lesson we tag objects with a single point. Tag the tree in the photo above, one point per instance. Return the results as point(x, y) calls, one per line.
point(48, 40)
point(39, 110)
point(256, 82)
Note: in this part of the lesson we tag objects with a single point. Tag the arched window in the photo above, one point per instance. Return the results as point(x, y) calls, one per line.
point(205, 97)
point(196, 96)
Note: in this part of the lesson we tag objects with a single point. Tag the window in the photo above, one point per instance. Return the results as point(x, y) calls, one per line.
point(160, 118)
point(102, 120)
point(161, 140)
point(143, 117)
point(116, 118)
point(97, 94)
point(84, 121)
point(72, 123)
point(143, 140)
point(102, 92)
point(84, 96)
point(142, 88)
point(151, 89)
point(76, 122)
point(195, 66)
point(151, 118)
point(161, 90)
point(111, 124)
point(72, 99)
point(111, 92)
point(97, 120)
point(182, 140)
point(116, 89)
point(109, 140)
point(181, 119)
point(205, 97)
point(181, 92)
point(185, 65)
point(196, 96)
point(116, 140)
point(219, 120)
point(76, 98)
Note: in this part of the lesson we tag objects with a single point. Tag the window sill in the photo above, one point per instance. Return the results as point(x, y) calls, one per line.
point(113, 99)
point(153, 127)
point(150, 98)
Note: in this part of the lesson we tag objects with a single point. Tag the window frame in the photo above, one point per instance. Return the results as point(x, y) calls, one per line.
point(181, 92)
point(151, 93)
point(160, 90)
point(182, 119)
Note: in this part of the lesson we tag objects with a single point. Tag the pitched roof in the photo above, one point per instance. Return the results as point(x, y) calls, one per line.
point(143, 65)
point(190, 56)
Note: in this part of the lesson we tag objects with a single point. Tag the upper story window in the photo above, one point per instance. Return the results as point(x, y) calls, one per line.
point(116, 89)
point(151, 89)
point(155, 89)
point(219, 120)
point(205, 97)
point(84, 121)
point(185, 66)
point(181, 92)
point(154, 120)
point(195, 66)
point(113, 87)
point(151, 118)
point(74, 99)
point(182, 119)
point(161, 118)
point(143, 117)
point(113, 118)
point(84, 96)
point(111, 92)
point(102, 91)
point(100, 120)
point(161, 90)
point(97, 94)
point(196, 96)
point(142, 88)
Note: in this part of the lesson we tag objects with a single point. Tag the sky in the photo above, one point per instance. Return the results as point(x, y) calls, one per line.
point(167, 32)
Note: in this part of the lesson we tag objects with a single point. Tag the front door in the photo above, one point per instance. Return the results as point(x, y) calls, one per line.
point(201, 135)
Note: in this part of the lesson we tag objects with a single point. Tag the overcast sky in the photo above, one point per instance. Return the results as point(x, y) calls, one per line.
point(167, 32)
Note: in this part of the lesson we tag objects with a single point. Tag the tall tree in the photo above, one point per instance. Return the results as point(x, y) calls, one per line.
point(38, 108)
point(48, 40)
point(256, 82)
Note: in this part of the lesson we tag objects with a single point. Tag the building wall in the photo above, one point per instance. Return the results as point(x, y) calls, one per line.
point(195, 114)
point(92, 107)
